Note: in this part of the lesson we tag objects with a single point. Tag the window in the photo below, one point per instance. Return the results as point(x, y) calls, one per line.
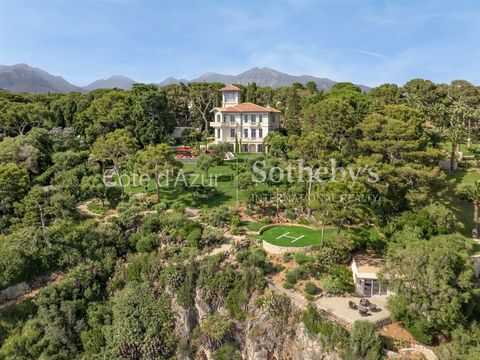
point(218, 133)
point(230, 96)
point(232, 133)
point(245, 118)
point(218, 118)
point(273, 118)
point(232, 118)
point(260, 118)
point(245, 133)
point(244, 148)
point(260, 148)
point(254, 118)
point(260, 133)
point(254, 133)
point(224, 118)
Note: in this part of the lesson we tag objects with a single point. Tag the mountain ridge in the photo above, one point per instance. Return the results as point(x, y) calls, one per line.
point(25, 78)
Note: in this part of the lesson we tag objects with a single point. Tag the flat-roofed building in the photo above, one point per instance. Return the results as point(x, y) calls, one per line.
point(365, 268)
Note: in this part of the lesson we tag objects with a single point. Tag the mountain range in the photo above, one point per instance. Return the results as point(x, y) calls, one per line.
point(22, 77)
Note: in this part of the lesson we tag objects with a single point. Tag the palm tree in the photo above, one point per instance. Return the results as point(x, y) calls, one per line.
point(435, 137)
point(471, 193)
point(456, 136)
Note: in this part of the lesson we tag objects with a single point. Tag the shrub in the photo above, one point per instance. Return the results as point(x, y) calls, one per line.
point(292, 276)
point(419, 333)
point(194, 237)
point(364, 343)
point(302, 258)
point(287, 257)
point(311, 288)
point(312, 320)
point(147, 243)
point(161, 207)
point(177, 206)
point(214, 330)
point(211, 236)
point(226, 352)
point(338, 281)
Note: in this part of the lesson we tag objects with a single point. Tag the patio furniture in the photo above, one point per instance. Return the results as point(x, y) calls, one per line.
point(363, 310)
point(352, 305)
point(373, 307)
point(364, 302)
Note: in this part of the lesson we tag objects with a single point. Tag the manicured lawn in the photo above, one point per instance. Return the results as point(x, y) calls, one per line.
point(255, 226)
point(295, 236)
point(220, 178)
point(463, 148)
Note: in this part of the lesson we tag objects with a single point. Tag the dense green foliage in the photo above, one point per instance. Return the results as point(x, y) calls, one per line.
point(143, 257)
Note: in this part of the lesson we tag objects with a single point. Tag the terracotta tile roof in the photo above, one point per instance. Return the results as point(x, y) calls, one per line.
point(247, 107)
point(230, 88)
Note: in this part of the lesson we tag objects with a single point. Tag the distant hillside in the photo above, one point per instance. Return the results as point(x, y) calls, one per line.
point(117, 81)
point(262, 77)
point(22, 77)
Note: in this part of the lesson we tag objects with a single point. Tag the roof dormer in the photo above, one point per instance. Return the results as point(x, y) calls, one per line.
point(231, 96)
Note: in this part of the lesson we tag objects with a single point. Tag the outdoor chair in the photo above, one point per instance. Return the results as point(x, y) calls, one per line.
point(373, 307)
point(364, 302)
point(352, 305)
point(363, 310)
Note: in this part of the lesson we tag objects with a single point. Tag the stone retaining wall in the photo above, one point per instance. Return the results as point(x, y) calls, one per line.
point(274, 249)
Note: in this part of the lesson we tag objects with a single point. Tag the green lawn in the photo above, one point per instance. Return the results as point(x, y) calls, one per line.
point(463, 147)
point(219, 177)
point(254, 225)
point(285, 235)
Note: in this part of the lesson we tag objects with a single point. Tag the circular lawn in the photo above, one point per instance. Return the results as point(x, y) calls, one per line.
point(294, 236)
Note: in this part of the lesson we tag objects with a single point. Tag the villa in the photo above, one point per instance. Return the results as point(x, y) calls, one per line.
point(244, 125)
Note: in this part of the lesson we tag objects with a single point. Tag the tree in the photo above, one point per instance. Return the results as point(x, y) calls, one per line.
point(205, 162)
point(456, 136)
point(385, 94)
point(435, 137)
point(153, 122)
point(471, 193)
point(276, 145)
point(441, 296)
point(311, 86)
point(13, 185)
point(364, 343)
point(332, 119)
point(203, 98)
point(158, 160)
point(106, 113)
point(19, 118)
point(219, 152)
point(143, 323)
point(115, 147)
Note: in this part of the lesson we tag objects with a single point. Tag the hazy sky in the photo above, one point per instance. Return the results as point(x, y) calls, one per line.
point(363, 41)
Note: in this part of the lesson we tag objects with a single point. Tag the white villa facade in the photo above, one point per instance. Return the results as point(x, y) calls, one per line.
point(244, 125)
